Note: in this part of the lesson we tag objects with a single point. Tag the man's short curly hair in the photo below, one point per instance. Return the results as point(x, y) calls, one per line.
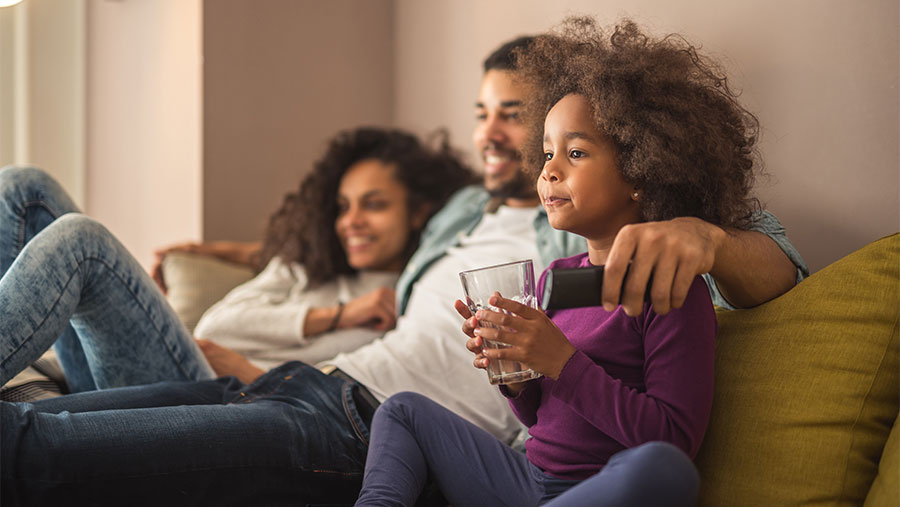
point(302, 229)
point(680, 134)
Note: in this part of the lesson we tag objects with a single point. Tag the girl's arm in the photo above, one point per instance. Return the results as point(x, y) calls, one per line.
point(676, 399)
point(675, 403)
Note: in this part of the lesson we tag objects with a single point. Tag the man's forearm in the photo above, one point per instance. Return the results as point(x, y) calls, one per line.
point(751, 269)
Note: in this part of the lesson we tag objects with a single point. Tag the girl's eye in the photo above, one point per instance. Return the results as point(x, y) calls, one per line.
point(548, 156)
point(576, 154)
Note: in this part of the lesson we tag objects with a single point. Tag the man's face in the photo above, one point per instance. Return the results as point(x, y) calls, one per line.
point(500, 134)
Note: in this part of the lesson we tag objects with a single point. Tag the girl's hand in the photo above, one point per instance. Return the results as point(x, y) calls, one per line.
point(376, 309)
point(535, 339)
point(475, 344)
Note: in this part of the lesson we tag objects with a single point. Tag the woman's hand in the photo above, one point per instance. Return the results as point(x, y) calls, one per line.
point(535, 339)
point(376, 309)
point(226, 362)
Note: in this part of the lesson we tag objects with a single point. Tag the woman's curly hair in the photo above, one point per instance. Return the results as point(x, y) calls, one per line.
point(680, 134)
point(302, 229)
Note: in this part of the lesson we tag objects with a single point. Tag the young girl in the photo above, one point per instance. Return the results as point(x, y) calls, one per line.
point(633, 129)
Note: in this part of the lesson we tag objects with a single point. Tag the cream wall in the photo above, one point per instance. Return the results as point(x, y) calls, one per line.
point(42, 89)
point(281, 77)
point(144, 105)
point(821, 75)
point(172, 155)
point(187, 120)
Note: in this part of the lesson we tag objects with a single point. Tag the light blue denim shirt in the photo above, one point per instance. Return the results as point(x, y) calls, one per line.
point(767, 224)
point(464, 211)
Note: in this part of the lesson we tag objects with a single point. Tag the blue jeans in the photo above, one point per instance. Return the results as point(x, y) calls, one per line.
point(293, 437)
point(67, 280)
point(414, 437)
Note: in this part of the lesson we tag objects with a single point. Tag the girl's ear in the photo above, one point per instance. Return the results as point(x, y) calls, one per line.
point(419, 216)
point(636, 195)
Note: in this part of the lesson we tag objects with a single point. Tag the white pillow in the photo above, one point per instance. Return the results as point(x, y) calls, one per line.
point(195, 282)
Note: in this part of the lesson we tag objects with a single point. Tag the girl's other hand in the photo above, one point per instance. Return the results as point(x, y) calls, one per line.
point(475, 344)
point(535, 339)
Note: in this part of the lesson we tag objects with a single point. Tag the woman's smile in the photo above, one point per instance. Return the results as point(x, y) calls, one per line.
point(360, 242)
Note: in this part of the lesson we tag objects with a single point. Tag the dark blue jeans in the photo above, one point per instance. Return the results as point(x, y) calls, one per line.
point(293, 437)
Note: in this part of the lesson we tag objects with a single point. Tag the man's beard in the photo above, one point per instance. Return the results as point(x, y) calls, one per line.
point(519, 186)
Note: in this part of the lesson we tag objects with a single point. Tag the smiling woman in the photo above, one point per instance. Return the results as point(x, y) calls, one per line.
point(332, 254)
point(374, 221)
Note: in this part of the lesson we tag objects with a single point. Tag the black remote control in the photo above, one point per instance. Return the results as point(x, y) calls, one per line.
point(577, 287)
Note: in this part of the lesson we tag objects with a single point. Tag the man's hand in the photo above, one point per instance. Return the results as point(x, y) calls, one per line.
point(674, 252)
point(231, 251)
point(226, 362)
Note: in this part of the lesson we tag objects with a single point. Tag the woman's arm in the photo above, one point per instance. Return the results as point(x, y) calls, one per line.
point(277, 308)
point(376, 310)
point(268, 310)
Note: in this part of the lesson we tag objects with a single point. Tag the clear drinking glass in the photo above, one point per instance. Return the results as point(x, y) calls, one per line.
point(514, 280)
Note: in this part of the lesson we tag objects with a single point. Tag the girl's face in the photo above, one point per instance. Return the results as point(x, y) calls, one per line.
point(374, 221)
point(580, 185)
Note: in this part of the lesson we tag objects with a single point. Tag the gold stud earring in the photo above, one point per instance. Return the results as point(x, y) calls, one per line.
point(635, 195)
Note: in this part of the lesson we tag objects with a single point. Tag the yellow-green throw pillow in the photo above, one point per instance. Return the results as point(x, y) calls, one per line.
point(885, 490)
point(807, 388)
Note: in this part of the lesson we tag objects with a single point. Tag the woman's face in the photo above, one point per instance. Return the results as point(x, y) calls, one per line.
point(373, 222)
point(580, 185)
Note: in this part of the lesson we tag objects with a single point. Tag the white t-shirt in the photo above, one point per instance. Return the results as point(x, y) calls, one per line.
point(426, 352)
point(263, 318)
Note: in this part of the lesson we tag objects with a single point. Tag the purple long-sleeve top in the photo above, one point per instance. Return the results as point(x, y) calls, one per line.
point(632, 380)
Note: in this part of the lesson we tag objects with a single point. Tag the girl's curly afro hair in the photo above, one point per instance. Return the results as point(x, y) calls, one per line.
point(680, 134)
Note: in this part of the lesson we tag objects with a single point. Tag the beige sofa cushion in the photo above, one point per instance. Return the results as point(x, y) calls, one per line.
point(195, 282)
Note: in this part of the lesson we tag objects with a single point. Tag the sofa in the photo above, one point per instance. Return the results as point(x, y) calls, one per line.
point(807, 385)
